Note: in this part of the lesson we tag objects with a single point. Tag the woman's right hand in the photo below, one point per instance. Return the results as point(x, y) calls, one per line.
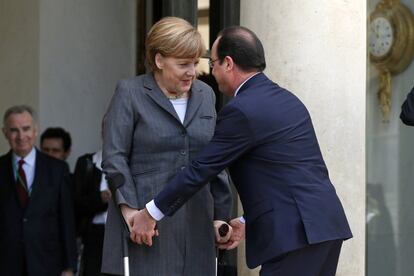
point(128, 214)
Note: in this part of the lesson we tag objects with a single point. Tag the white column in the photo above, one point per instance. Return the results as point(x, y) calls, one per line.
point(317, 50)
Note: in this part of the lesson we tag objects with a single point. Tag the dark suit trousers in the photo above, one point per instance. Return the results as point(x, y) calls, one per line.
point(319, 259)
point(92, 252)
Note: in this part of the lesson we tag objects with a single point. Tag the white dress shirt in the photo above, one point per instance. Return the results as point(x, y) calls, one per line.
point(180, 106)
point(97, 160)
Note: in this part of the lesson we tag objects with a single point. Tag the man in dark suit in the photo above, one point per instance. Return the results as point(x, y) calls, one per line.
point(37, 226)
point(294, 221)
point(56, 142)
point(407, 109)
point(91, 204)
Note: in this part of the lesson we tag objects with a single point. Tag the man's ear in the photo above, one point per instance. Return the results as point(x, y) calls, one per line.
point(4, 132)
point(229, 63)
point(159, 61)
point(35, 129)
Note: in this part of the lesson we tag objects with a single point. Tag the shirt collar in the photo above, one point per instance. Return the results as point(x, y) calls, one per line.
point(28, 159)
point(238, 88)
point(97, 159)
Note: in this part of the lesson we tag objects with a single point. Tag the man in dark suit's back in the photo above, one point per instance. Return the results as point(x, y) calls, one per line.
point(36, 215)
point(293, 219)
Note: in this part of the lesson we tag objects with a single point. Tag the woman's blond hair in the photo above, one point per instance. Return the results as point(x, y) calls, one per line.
point(173, 37)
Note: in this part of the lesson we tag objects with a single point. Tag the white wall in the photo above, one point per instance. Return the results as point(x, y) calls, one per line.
point(85, 47)
point(317, 49)
point(19, 60)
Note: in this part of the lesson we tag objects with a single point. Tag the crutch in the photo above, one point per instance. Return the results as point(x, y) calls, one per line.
point(223, 230)
point(125, 238)
point(114, 182)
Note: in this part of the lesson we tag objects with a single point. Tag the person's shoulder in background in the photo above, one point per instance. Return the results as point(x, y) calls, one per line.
point(407, 109)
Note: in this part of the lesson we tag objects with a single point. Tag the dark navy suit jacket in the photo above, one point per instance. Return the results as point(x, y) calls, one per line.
point(43, 232)
point(265, 137)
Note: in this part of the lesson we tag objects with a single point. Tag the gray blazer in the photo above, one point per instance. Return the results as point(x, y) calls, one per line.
point(145, 144)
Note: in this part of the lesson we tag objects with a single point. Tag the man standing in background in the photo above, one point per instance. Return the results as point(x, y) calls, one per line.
point(56, 142)
point(37, 234)
point(407, 109)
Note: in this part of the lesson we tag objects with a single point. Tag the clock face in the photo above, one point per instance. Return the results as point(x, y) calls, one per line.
point(381, 36)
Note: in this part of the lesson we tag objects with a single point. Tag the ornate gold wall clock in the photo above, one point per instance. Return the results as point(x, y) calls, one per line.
point(391, 45)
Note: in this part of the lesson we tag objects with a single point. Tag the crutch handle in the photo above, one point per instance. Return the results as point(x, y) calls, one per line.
point(223, 229)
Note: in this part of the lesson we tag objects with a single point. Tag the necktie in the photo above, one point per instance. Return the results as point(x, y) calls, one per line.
point(22, 184)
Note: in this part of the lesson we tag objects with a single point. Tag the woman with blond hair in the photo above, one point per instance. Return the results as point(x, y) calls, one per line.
point(155, 124)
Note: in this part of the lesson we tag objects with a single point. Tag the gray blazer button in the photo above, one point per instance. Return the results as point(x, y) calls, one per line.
point(182, 168)
point(183, 152)
point(25, 219)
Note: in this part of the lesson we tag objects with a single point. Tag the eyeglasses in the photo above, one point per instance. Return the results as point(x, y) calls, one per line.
point(211, 62)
